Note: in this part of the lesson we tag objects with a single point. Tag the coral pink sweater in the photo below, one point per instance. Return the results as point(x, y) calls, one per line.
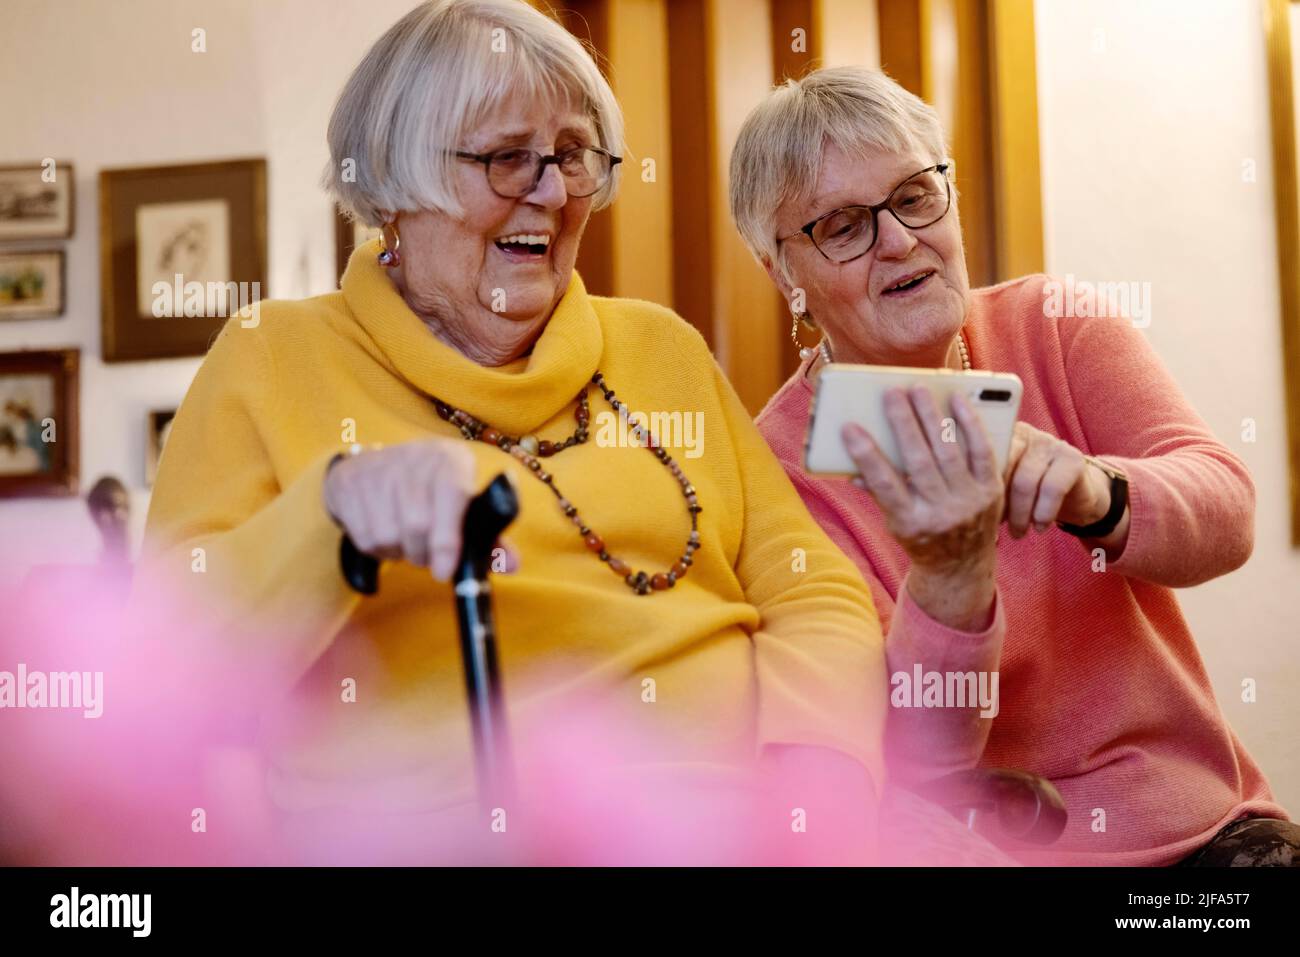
point(1101, 688)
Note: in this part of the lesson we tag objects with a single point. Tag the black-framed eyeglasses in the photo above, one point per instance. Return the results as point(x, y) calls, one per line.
point(849, 232)
point(516, 171)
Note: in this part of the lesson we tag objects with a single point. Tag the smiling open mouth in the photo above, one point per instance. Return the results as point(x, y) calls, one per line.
point(524, 244)
point(909, 284)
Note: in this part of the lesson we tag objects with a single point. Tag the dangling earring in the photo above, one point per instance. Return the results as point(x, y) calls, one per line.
point(389, 257)
point(805, 352)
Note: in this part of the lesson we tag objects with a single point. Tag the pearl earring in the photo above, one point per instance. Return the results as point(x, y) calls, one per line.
point(805, 352)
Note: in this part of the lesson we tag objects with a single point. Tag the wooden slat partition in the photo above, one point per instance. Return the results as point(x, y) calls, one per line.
point(746, 310)
point(1013, 89)
point(588, 20)
point(974, 60)
point(693, 189)
point(642, 218)
point(688, 71)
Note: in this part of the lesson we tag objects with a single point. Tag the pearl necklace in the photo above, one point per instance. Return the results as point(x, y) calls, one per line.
point(961, 350)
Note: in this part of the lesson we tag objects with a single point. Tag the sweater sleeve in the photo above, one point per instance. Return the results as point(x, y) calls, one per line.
point(922, 743)
point(818, 649)
point(250, 555)
point(926, 743)
point(1191, 501)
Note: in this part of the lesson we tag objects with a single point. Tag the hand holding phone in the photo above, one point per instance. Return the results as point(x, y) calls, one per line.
point(933, 470)
point(855, 393)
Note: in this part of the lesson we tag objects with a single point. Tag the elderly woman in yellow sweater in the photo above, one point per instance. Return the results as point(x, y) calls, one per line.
point(480, 137)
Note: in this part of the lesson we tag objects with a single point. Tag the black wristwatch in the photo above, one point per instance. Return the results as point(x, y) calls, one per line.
point(1118, 503)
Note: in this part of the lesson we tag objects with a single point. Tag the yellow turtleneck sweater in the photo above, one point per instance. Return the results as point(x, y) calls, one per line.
point(771, 637)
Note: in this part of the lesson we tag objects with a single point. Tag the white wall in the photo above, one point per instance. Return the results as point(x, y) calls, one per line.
point(1153, 116)
point(105, 84)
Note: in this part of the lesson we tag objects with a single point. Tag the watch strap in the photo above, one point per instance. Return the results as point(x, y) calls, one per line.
point(1118, 503)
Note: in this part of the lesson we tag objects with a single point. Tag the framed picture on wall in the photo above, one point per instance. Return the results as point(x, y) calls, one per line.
point(31, 285)
point(159, 427)
point(38, 423)
point(182, 248)
point(36, 201)
point(348, 235)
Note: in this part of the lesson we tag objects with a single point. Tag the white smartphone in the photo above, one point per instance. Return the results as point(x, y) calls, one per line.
point(856, 393)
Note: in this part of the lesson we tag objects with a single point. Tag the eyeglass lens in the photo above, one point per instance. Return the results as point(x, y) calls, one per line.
point(916, 202)
point(513, 173)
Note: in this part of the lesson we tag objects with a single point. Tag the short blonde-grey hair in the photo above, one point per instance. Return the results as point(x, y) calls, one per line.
point(778, 154)
point(435, 75)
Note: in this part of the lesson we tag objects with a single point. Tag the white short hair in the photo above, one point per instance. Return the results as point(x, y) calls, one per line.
point(431, 79)
point(778, 154)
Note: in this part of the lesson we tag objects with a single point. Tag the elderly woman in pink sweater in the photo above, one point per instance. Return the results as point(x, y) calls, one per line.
point(1058, 574)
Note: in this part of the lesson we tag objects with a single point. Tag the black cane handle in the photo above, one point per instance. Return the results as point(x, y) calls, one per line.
point(486, 517)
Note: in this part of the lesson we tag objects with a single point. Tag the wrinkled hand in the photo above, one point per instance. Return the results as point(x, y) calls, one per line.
point(405, 501)
point(944, 512)
point(1049, 480)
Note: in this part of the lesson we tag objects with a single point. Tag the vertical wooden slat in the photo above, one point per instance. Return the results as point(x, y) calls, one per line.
point(588, 20)
point(837, 33)
point(939, 49)
point(745, 309)
point(788, 61)
point(901, 41)
point(956, 82)
point(789, 16)
point(972, 141)
point(642, 217)
point(690, 106)
point(1014, 96)
point(974, 60)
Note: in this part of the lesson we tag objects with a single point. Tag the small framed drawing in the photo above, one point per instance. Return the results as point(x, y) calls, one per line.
point(31, 285)
point(159, 426)
point(348, 235)
point(38, 423)
point(36, 201)
point(182, 248)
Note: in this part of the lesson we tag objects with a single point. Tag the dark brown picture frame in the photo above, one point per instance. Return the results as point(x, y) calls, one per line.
point(63, 365)
point(66, 181)
point(128, 335)
point(55, 310)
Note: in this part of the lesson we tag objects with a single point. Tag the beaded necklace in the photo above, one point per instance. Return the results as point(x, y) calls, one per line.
point(530, 450)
